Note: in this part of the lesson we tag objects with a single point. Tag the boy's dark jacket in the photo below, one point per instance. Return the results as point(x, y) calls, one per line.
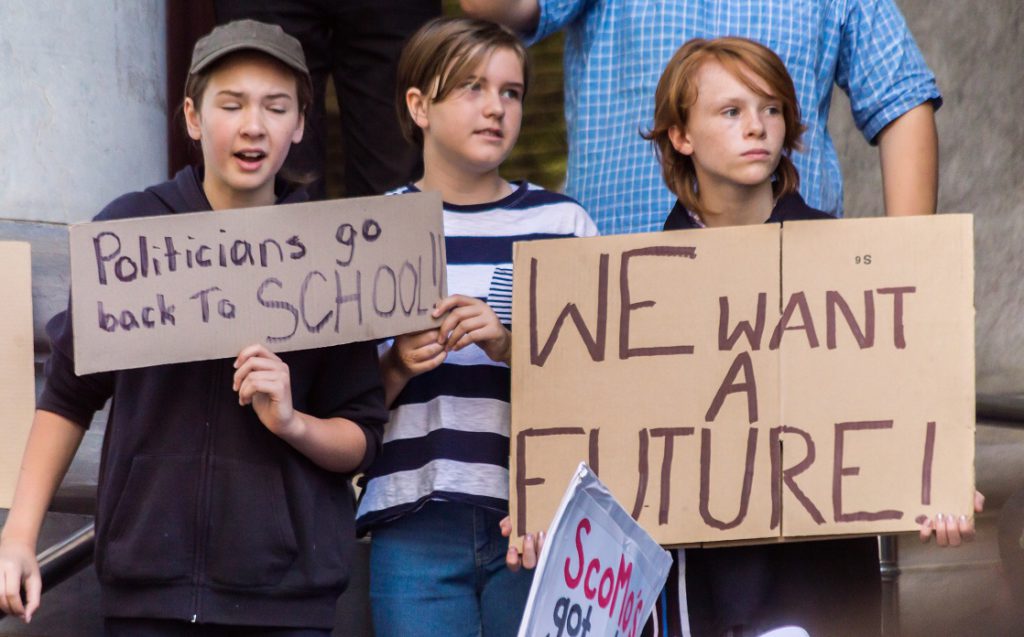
point(203, 514)
point(791, 207)
point(849, 566)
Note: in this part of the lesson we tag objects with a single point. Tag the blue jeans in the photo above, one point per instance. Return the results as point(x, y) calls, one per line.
point(441, 571)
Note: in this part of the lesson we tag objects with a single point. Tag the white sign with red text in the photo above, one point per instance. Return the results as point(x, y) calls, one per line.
point(599, 572)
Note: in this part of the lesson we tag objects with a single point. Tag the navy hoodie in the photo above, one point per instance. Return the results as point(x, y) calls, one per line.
point(203, 514)
point(788, 208)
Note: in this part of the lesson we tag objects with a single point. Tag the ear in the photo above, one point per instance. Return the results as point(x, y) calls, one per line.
point(192, 122)
point(417, 104)
point(680, 140)
point(300, 129)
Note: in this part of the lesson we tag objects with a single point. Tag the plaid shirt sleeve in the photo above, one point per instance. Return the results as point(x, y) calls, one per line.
point(880, 66)
point(554, 16)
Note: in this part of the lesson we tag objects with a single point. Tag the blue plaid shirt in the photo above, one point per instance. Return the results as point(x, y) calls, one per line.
point(616, 50)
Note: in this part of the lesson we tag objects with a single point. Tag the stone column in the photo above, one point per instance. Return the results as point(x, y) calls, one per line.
point(82, 105)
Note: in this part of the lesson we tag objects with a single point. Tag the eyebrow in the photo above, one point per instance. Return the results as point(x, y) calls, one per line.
point(240, 94)
point(480, 78)
point(738, 98)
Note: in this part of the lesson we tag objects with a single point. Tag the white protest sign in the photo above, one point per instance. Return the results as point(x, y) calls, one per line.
point(184, 287)
point(599, 572)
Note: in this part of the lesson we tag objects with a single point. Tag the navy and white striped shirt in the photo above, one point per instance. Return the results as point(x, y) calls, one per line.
point(448, 437)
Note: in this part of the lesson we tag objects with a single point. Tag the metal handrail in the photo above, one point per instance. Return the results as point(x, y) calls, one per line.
point(1004, 409)
point(66, 558)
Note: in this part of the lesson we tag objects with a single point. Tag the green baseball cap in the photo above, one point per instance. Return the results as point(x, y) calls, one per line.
point(248, 35)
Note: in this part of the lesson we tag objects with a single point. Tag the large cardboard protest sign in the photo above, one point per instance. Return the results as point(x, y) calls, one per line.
point(599, 573)
point(881, 379)
point(185, 287)
point(17, 381)
point(749, 383)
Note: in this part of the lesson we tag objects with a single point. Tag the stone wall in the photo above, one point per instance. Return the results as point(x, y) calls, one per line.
point(975, 49)
point(82, 105)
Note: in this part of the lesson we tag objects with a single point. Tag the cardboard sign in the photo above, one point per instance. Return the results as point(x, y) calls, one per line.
point(599, 573)
point(749, 383)
point(187, 287)
point(17, 379)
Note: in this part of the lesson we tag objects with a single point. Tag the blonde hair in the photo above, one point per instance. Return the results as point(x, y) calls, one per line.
point(677, 93)
point(442, 54)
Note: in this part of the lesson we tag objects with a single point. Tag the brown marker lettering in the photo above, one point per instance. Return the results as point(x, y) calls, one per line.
point(433, 259)
point(839, 471)
point(726, 341)
point(669, 433)
point(705, 480)
point(594, 344)
point(593, 453)
point(926, 466)
point(627, 307)
point(797, 301)
point(341, 299)
point(730, 386)
point(788, 476)
point(864, 339)
point(521, 480)
point(641, 470)
point(898, 338)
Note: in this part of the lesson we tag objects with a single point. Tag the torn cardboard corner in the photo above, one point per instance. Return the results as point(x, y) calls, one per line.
point(17, 373)
point(749, 383)
point(184, 287)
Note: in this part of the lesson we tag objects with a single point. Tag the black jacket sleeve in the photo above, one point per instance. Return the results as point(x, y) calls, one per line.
point(348, 385)
point(66, 394)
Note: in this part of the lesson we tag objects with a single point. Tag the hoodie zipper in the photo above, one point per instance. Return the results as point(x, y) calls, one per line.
point(204, 494)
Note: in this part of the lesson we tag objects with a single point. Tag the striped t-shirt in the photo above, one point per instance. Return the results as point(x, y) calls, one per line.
point(448, 436)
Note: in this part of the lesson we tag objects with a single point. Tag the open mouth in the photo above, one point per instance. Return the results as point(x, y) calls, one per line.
point(491, 132)
point(251, 155)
